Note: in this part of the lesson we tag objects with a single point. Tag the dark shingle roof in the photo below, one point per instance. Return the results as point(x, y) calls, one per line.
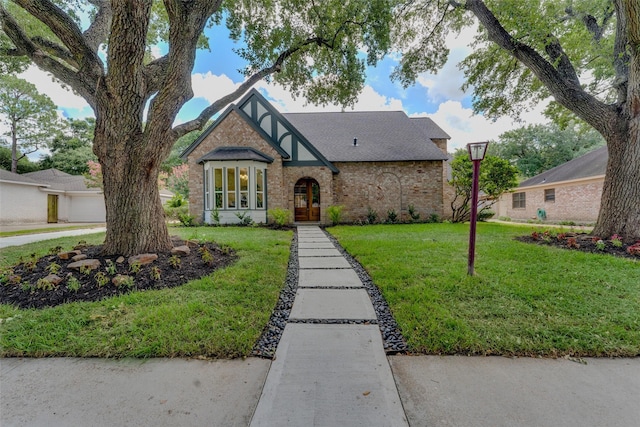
point(430, 128)
point(236, 153)
point(59, 180)
point(14, 177)
point(590, 164)
point(382, 136)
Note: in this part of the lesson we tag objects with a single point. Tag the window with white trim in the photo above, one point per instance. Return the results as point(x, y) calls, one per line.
point(234, 185)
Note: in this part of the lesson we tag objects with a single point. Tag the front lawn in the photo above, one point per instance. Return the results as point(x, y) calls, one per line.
point(220, 316)
point(524, 300)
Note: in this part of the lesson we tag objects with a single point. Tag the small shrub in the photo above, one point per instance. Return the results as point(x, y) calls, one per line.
point(26, 287)
point(392, 216)
point(572, 242)
point(279, 216)
point(174, 261)
point(561, 236)
point(601, 245)
point(186, 219)
point(101, 279)
point(135, 267)
point(535, 235)
point(485, 214)
point(245, 218)
point(372, 216)
point(433, 218)
point(73, 284)
point(206, 255)
point(45, 285)
point(634, 249)
point(215, 215)
point(53, 268)
point(616, 241)
point(111, 268)
point(570, 223)
point(155, 273)
point(85, 269)
point(176, 201)
point(335, 213)
point(415, 216)
point(82, 244)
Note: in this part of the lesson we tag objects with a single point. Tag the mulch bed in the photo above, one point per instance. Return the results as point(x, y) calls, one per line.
point(582, 242)
point(24, 287)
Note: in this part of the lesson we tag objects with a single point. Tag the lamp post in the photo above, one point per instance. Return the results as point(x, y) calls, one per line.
point(476, 150)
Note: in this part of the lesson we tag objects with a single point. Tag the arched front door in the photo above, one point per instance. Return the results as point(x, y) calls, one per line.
point(306, 197)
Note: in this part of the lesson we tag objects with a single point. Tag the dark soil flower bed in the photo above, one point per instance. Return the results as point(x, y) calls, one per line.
point(25, 285)
point(583, 242)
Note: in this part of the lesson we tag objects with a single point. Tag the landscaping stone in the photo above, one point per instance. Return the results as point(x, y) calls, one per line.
point(143, 259)
point(85, 263)
point(120, 260)
point(79, 257)
point(68, 254)
point(53, 279)
point(181, 250)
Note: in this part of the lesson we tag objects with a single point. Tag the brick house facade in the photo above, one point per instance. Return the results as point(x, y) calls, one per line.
point(569, 192)
point(253, 159)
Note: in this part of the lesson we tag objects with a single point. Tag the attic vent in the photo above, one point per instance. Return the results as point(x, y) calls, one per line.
point(355, 142)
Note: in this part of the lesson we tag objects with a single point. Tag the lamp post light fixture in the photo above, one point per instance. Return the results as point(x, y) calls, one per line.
point(477, 151)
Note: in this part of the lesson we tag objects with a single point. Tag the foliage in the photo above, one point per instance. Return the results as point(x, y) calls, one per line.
point(582, 53)
point(279, 216)
point(525, 299)
point(372, 215)
point(178, 180)
point(496, 177)
point(94, 176)
point(335, 213)
point(392, 216)
point(313, 50)
point(245, 218)
point(537, 148)
point(71, 148)
point(186, 219)
point(177, 201)
point(24, 164)
point(413, 214)
point(29, 115)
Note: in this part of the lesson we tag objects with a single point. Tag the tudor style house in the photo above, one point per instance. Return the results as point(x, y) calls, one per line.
point(254, 158)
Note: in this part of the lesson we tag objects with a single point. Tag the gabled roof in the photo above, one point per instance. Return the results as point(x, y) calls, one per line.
point(591, 164)
point(8, 176)
point(381, 136)
point(323, 138)
point(59, 180)
point(236, 153)
point(430, 128)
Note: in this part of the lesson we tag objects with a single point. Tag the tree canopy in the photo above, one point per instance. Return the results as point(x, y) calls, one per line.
point(71, 148)
point(30, 116)
point(536, 148)
point(583, 53)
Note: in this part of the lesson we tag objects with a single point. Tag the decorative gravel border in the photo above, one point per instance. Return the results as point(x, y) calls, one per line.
point(266, 345)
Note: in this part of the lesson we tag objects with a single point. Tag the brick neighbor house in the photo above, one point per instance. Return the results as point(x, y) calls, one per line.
point(569, 192)
point(254, 158)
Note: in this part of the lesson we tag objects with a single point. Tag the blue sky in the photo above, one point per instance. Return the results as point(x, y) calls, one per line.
point(437, 96)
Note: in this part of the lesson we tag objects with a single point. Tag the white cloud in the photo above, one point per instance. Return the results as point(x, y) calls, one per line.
point(211, 86)
point(46, 84)
point(369, 100)
point(464, 127)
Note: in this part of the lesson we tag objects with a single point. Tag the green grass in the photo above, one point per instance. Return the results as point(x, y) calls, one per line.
point(220, 316)
point(43, 230)
point(524, 300)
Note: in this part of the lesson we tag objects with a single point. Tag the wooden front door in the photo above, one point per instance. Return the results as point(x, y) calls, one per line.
point(307, 200)
point(52, 208)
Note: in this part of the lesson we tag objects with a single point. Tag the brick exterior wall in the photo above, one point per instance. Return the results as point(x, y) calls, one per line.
point(574, 201)
point(359, 185)
point(389, 185)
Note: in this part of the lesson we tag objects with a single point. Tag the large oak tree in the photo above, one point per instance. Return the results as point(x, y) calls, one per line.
point(584, 53)
point(310, 46)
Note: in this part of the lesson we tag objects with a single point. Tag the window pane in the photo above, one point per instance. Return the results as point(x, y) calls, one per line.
point(218, 200)
point(231, 200)
point(550, 195)
point(259, 180)
point(259, 202)
point(244, 179)
point(217, 179)
point(231, 179)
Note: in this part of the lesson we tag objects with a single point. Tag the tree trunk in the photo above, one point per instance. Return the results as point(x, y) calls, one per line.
point(14, 148)
point(620, 204)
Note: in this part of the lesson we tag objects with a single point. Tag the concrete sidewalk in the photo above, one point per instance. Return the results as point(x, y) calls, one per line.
point(37, 237)
point(323, 375)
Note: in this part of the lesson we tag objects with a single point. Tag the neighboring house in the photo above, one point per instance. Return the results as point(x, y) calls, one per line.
point(254, 158)
point(569, 192)
point(48, 196)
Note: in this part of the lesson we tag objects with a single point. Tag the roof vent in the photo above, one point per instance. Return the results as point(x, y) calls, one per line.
point(355, 142)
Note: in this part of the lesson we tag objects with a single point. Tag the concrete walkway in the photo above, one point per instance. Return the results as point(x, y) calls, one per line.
point(38, 237)
point(329, 374)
